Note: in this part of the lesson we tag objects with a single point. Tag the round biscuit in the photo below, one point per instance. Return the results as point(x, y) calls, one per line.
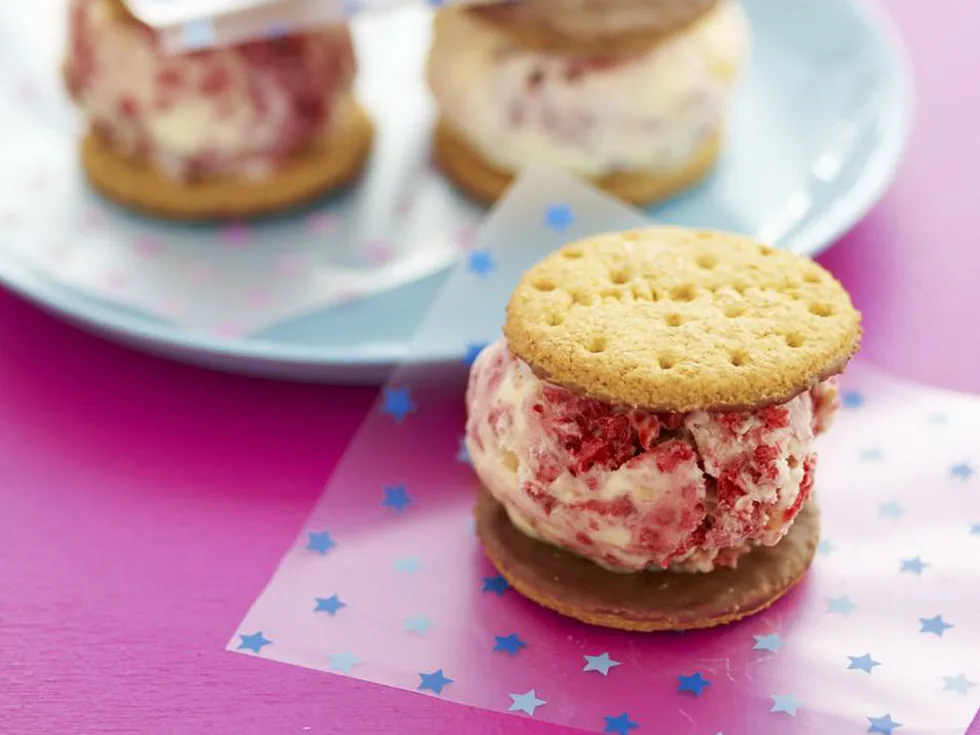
point(483, 181)
point(592, 27)
point(671, 319)
point(650, 601)
point(333, 162)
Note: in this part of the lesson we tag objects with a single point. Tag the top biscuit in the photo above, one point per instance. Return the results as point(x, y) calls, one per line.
point(592, 27)
point(671, 319)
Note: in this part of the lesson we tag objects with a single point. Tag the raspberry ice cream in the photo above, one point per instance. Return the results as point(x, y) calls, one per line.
point(632, 489)
point(588, 115)
point(236, 111)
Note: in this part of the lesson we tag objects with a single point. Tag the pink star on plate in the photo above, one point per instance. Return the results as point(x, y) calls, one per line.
point(9, 218)
point(465, 238)
point(288, 265)
point(234, 235)
point(146, 246)
point(26, 90)
point(320, 222)
point(200, 272)
point(404, 204)
point(230, 330)
point(378, 251)
point(170, 306)
point(93, 217)
point(116, 281)
point(259, 297)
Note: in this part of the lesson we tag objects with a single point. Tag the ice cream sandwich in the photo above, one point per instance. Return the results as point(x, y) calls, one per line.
point(227, 132)
point(631, 95)
point(644, 430)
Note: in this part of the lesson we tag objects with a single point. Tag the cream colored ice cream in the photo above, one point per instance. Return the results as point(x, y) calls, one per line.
point(631, 489)
point(233, 111)
point(590, 116)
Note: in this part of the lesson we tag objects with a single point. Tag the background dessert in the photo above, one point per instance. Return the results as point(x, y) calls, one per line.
point(226, 132)
point(629, 95)
point(653, 406)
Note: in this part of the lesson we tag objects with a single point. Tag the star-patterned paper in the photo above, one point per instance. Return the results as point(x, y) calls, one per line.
point(402, 222)
point(882, 636)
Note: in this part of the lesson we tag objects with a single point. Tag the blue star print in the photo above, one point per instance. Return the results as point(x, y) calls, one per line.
point(787, 703)
point(601, 663)
point(320, 542)
point(916, 565)
point(342, 662)
point(329, 604)
point(397, 403)
point(863, 663)
point(958, 684)
point(480, 262)
point(825, 548)
point(891, 509)
point(496, 584)
point(884, 725)
point(396, 497)
point(695, 683)
point(199, 34)
point(961, 470)
point(434, 682)
point(871, 455)
point(975, 529)
point(841, 605)
point(408, 565)
point(771, 643)
point(277, 30)
point(462, 453)
point(509, 644)
point(852, 399)
point(620, 724)
point(526, 702)
point(473, 351)
point(558, 217)
point(934, 625)
point(351, 7)
point(253, 642)
point(419, 624)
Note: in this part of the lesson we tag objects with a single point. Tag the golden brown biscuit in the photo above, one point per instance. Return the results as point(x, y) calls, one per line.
point(480, 179)
point(651, 601)
point(671, 319)
point(592, 27)
point(336, 161)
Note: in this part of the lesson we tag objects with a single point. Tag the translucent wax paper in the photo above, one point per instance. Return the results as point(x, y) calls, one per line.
point(387, 581)
point(401, 223)
point(190, 25)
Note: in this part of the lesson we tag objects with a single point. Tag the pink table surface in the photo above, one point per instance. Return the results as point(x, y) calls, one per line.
point(145, 504)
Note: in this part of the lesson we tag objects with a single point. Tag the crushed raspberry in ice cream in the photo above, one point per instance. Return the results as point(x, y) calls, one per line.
point(237, 111)
point(632, 489)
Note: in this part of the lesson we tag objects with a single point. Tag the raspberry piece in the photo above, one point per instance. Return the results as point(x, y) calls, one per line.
point(647, 426)
point(170, 78)
point(672, 454)
point(618, 508)
point(774, 417)
point(128, 108)
point(541, 496)
point(806, 488)
point(214, 81)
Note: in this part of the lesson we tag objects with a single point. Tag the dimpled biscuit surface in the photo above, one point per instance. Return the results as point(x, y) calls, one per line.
point(672, 319)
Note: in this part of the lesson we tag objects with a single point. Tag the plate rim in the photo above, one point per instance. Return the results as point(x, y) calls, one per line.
point(127, 326)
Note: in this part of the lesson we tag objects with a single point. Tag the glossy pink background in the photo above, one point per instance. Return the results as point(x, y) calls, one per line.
point(145, 504)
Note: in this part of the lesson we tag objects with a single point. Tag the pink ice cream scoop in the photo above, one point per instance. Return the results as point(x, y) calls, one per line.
point(632, 489)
